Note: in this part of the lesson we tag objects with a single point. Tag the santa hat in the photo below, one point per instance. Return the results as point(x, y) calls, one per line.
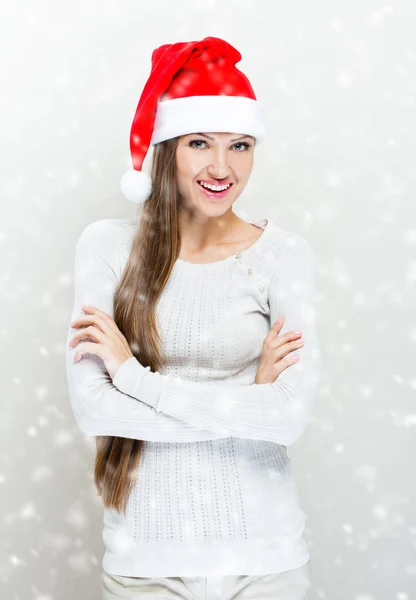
point(193, 87)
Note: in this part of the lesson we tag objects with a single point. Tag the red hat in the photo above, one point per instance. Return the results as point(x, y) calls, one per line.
point(202, 90)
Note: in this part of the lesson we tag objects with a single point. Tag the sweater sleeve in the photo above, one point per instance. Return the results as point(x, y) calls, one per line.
point(277, 412)
point(99, 407)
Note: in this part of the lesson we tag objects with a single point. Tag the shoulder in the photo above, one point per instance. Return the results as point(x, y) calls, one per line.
point(107, 235)
point(105, 230)
point(106, 241)
point(286, 247)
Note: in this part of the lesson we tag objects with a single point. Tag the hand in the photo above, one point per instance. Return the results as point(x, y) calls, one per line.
point(272, 361)
point(109, 343)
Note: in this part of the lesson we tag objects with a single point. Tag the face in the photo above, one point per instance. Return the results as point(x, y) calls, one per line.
point(213, 158)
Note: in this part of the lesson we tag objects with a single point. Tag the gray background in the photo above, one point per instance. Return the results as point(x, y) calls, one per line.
point(338, 82)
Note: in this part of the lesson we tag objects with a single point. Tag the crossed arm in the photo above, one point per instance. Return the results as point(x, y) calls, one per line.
point(140, 404)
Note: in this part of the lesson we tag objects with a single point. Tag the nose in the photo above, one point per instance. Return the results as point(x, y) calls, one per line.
point(219, 168)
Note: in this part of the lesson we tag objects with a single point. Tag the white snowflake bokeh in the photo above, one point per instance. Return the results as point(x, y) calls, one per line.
point(338, 85)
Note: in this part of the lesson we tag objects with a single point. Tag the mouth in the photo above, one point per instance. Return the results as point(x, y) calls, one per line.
point(216, 194)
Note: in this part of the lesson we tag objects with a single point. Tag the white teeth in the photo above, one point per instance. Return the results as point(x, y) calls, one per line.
point(216, 188)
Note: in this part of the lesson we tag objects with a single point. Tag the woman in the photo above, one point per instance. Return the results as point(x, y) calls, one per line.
point(179, 364)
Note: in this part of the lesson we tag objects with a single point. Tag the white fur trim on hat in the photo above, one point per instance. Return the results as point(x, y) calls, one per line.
point(193, 114)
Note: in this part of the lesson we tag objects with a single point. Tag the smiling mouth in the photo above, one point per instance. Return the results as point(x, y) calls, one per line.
point(208, 189)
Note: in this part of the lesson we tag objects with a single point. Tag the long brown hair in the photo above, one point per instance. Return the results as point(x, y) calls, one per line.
point(155, 248)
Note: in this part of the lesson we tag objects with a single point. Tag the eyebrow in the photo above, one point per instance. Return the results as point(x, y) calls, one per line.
point(234, 140)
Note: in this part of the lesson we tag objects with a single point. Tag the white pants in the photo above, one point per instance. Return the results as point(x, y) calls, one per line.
point(287, 585)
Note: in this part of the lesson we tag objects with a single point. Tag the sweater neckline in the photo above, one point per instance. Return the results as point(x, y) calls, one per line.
point(262, 224)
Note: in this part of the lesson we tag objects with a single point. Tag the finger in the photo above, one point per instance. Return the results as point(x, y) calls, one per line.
point(98, 321)
point(286, 350)
point(283, 364)
point(274, 331)
point(289, 339)
point(91, 332)
point(278, 324)
point(279, 353)
point(289, 360)
point(94, 310)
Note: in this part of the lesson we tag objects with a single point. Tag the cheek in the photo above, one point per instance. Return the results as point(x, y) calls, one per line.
point(187, 178)
point(189, 165)
point(243, 166)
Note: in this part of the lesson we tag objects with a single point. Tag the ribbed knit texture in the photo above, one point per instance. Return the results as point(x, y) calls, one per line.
point(215, 494)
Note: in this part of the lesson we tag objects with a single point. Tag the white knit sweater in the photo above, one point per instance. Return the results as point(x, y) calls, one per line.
point(215, 494)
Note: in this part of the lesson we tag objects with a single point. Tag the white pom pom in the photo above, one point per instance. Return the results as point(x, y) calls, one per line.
point(136, 185)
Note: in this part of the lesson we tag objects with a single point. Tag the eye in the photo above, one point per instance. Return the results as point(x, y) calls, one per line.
point(196, 142)
point(243, 145)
